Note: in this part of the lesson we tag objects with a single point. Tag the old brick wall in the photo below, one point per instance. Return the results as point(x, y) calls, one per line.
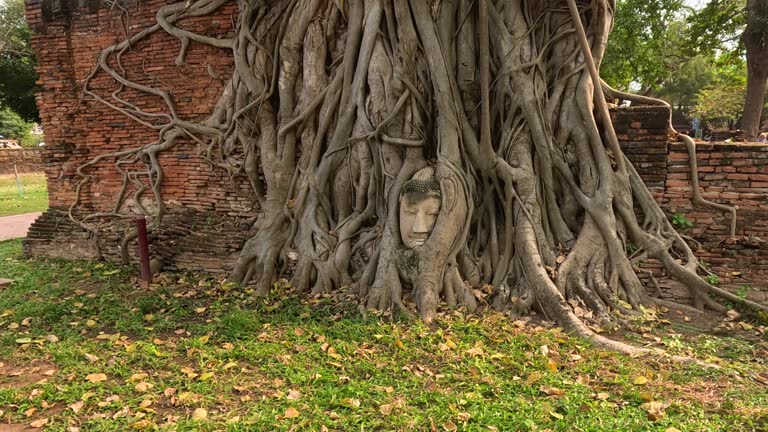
point(206, 208)
point(735, 174)
point(26, 161)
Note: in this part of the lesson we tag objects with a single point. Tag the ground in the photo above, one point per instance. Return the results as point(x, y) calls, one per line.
point(82, 347)
point(34, 199)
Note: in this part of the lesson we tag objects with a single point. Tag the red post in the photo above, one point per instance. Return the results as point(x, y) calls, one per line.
point(141, 234)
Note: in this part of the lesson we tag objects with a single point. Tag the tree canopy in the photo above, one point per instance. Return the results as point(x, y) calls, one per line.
point(17, 62)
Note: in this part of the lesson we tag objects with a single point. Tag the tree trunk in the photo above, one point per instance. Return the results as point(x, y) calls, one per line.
point(755, 39)
point(330, 112)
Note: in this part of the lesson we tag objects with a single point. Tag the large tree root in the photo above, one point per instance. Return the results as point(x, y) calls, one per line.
point(329, 112)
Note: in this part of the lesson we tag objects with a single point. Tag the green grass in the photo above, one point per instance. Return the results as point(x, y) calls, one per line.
point(34, 198)
point(289, 362)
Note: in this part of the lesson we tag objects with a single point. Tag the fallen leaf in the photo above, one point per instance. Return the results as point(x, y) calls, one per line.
point(77, 406)
point(138, 376)
point(640, 380)
point(91, 358)
point(655, 410)
point(476, 351)
point(39, 423)
point(143, 386)
point(332, 353)
point(143, 424)
point(354, 403)
point(199, 414)
point(293, 395)
point(551, 391)
point(603, 396)
point(450, 426)
point(97, 377)
point(291, 413)
point(386, 409)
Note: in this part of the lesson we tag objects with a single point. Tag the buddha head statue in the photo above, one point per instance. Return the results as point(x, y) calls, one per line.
point(420, 201)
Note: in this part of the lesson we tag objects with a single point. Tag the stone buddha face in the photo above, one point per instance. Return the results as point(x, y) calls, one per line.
point(420, 202)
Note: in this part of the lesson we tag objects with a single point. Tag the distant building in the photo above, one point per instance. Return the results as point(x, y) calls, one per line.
point(36, 129)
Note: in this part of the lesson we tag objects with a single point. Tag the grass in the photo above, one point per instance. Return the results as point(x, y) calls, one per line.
point(194, 353)
point(34, 199)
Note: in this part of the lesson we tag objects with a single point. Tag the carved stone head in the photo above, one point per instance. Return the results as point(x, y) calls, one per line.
point(420, 201)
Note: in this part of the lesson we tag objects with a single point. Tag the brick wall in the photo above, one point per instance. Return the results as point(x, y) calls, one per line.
point(26, 161)
point(210, 215)
point(735, 174)
point(208, 211)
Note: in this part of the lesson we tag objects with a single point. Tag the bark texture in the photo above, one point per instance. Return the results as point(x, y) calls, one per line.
point(755, 40)
point(333, 105)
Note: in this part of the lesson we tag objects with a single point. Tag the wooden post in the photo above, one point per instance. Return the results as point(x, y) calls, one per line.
point(141, 234)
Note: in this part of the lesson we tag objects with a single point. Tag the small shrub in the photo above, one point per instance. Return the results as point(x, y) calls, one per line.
point(712, 279)
point(742, 291)
point(680, 221)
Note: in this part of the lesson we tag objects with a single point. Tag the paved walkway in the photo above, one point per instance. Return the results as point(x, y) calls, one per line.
point(12, 227)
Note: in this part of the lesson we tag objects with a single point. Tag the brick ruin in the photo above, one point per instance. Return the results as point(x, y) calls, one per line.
point(210, 214)
point(26, 161)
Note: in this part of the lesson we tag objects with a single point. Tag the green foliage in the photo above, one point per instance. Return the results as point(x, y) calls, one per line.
point(17, 61)
point(742, 291)
point(681, 221)
point(631, 248)
point(712, 279)
point(682, 84)
point(720, 101)
point(12, 126)
point(720, 105)
point(645, 43)
point(718, 27)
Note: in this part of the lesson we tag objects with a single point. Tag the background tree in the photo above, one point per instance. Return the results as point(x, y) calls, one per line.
point(736, 28)
point(17, 61)
point(720, 105)
point(12, 126)
point(645, 44)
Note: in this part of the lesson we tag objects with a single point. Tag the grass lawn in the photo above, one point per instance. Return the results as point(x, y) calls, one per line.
point(35, 197)
point(81, 347)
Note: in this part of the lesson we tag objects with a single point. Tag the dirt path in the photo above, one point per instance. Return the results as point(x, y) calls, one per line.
point(12, 227)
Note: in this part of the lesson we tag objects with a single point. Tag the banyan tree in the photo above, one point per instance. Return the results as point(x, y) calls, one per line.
point(416, 151)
